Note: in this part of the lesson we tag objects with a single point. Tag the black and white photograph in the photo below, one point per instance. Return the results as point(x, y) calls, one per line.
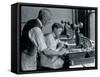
point(57, 38)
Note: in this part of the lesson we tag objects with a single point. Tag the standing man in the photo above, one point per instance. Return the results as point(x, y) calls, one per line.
point(32, 40)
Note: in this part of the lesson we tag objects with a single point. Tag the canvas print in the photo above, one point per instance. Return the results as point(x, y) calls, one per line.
point(54, 38)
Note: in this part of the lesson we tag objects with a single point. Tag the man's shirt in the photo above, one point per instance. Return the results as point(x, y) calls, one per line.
point(53, 62)
point(36, 36)
point(51, 41)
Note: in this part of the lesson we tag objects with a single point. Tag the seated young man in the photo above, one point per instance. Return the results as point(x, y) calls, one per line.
point(52, 59)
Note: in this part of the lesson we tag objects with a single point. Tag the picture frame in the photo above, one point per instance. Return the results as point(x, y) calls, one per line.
point(70, 15)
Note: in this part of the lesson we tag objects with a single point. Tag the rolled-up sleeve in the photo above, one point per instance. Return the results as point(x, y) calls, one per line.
point(36, 35)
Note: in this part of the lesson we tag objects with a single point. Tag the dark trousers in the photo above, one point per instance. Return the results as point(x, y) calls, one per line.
point(67, 61)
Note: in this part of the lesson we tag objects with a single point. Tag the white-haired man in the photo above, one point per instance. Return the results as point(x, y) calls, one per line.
point(32, 40)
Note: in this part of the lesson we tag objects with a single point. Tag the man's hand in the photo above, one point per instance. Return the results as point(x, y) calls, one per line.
point(64, 51)
point(60, 45)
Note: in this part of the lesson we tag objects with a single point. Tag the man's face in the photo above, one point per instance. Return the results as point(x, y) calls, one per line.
point(47, 18)
point(58, 31)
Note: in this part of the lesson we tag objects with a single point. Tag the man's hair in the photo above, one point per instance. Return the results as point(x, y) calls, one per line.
point(56, 25)
point(42, 13)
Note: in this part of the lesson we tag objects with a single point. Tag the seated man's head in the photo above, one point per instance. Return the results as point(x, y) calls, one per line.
point(45, 16)
point(57, 29)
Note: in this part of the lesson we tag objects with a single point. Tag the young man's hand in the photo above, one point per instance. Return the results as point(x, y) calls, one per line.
point(64, 51)
point(60, 45)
